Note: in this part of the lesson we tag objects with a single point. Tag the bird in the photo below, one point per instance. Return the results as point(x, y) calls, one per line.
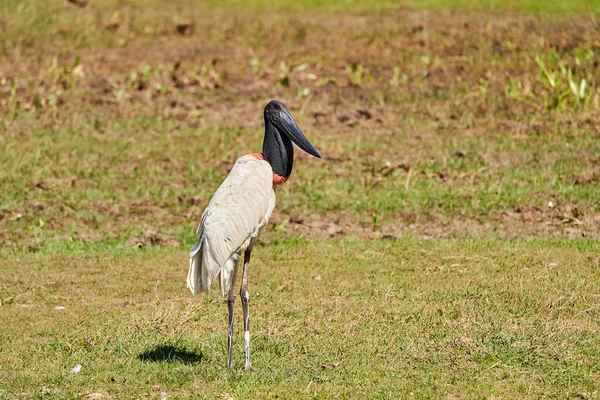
point(237, 212)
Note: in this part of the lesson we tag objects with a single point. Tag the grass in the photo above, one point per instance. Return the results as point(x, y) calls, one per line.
point(454, 219)
point(468, 318)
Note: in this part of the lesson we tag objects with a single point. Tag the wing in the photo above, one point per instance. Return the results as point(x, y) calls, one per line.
point(239, 208)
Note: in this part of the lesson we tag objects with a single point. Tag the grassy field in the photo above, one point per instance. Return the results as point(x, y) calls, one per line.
point(447, 245)
point(400, 319)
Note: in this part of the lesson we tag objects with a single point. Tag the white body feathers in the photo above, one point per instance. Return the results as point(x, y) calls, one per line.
point(233, 218)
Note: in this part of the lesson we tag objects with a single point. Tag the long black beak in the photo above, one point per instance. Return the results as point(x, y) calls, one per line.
point(291, 129)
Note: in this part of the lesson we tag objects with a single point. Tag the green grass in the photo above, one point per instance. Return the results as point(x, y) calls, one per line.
point(553, 6)
point(454, 219)
point(79, 183)
point(402, 318)
point(535, 6)
point(56, 23)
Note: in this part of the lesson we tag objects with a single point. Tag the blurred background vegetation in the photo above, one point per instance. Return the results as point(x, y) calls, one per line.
point(445, 247)
point(438, 118)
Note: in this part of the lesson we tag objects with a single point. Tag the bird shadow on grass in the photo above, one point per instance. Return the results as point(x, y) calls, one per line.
point(170, 354)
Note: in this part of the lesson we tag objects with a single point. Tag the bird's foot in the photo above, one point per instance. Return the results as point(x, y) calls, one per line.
point(248, 367)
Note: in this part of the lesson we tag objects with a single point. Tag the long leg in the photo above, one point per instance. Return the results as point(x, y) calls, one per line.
point(245, 295)
point(230, 302)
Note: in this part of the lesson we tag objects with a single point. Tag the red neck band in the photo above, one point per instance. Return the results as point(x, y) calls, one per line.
point(277, 179)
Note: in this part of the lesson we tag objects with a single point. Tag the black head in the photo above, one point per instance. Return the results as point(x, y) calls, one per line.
point(278, 114)
point(275, 106)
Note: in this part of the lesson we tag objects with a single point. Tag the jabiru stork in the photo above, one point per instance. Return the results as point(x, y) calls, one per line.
point(238, 210)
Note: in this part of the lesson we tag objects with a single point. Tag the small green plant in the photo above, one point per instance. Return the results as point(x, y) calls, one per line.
point(258, 67)
point(398, 79)
point(285, 71)
point(139, 80)
point(562, 86)
point(284, 74)
point(69, 76)
point(206, 77)
point(577, 90)
point(160, 88)
point(303, 92)
point(358, 74)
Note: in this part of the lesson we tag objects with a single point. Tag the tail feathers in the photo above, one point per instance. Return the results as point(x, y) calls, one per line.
point(205, 269)
point(196, 247)
point(194, 278)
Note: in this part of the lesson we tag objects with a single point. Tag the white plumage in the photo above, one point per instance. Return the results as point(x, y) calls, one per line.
point(233, 218)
